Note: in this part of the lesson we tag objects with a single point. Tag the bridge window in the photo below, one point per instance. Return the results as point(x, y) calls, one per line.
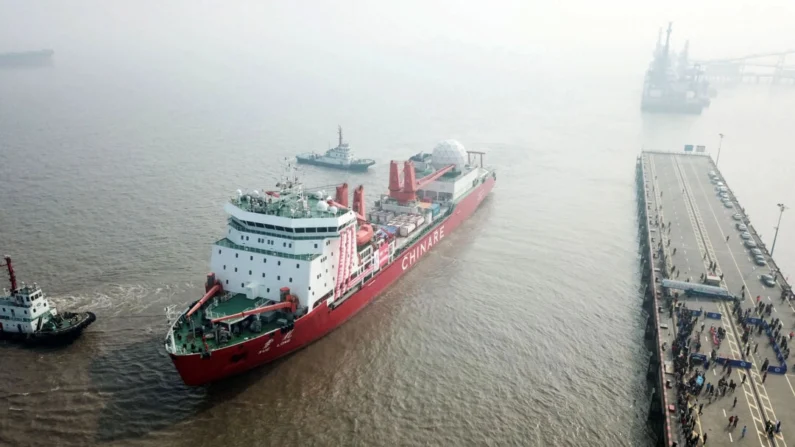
point(278, 262)
point(264, 260)
point(279, 278)
point(249, 272)
point(236, 254)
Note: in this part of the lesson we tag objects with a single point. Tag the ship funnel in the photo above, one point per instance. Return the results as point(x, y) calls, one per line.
point(342, 195)
point(394, 177)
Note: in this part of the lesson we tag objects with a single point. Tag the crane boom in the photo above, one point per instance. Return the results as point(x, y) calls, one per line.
point(277, 306)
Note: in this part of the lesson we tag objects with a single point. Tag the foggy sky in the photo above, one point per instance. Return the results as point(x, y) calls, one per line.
point(523, 34)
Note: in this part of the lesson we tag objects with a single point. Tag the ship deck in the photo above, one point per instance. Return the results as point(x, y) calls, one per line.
point(681, 195)
point(186, 342)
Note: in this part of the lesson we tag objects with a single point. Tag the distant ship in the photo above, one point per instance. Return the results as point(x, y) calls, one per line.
point(25, 314)
point(26, 59)
point(294, 264)
point(340, 157)
point(674, 87)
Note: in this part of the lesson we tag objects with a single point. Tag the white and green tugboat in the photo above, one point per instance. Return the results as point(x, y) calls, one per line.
point(25, 314)
point(340, 157)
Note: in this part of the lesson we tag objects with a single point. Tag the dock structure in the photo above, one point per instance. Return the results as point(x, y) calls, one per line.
point(712, 317)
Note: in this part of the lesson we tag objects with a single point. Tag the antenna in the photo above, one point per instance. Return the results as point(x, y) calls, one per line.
point(339, 131)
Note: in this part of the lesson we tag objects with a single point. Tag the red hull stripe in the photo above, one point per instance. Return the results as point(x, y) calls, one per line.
point(235, 359)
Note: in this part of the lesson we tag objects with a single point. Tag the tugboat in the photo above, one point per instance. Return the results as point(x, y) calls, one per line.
point(25, 314)
point(340, 157)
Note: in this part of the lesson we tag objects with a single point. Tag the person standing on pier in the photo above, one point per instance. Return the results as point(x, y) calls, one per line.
point(727, 238)
point(745, 428)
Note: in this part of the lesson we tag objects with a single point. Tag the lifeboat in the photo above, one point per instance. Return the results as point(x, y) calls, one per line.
point(365, 234)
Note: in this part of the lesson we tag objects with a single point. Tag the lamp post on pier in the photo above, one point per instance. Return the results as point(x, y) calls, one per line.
point(781, 207)
point(720, 143)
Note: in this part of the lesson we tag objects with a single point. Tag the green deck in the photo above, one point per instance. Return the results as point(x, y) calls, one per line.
point(183, 334)
point(288, 205)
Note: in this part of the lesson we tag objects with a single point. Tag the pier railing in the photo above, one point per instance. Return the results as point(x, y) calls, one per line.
point(645, 217)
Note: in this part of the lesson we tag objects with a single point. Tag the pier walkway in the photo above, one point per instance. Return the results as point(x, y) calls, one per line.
point(688, 233)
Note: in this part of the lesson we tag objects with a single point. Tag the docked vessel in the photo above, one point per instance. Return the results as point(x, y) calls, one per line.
point(672, 84)
point(295, 264)
point(25, 314)
point(340, 157)
point(26, 59)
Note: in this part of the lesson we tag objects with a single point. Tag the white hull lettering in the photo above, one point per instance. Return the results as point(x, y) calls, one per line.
point(416, 253)
point(287, 338)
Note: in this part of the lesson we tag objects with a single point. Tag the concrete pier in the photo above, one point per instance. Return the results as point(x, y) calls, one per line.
point(684, 226)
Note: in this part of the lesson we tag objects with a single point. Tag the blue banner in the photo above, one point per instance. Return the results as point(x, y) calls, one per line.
point(714, 315)
point(697, 356)
point(777, 369)
point(754, 321)
point(736, 363)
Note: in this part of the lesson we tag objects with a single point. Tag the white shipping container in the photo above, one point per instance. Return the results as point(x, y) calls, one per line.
point(403, 230)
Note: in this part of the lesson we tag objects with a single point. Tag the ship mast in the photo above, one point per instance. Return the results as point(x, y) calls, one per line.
point(339, 132)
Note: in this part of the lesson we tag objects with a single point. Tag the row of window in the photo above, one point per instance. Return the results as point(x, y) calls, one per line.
point(25, 320)
point(12, 311)
point(302, 230)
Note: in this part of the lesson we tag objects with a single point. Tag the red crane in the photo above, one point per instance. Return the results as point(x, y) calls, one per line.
point(11, 276)
point(407, 191)
point(289, 304)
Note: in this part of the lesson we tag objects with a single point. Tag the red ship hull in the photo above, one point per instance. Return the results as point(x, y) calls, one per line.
point(241, 357)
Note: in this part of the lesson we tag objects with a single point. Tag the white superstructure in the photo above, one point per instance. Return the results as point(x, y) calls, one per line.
point(24, 310)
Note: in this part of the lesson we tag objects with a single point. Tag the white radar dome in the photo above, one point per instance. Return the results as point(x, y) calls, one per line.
point(449, 152)
point(333, 210)
point(322, 206)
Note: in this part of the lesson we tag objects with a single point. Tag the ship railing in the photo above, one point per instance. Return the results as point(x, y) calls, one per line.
point(172, 313)
point(229, 244)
